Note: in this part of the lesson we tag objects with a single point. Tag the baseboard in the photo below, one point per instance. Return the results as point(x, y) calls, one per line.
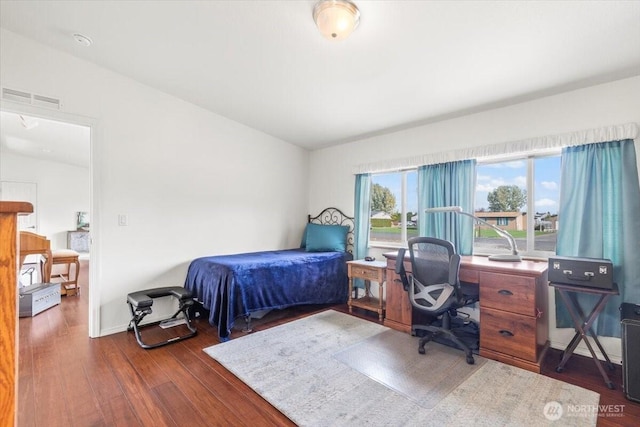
point(152, 318)
point(609, 343)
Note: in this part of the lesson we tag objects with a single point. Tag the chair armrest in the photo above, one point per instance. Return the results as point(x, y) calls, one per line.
point(454, 275)
point(400, 271)
point(454, 270)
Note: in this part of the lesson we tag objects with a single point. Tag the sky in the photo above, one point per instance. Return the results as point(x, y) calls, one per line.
point(546, 177)
point(489, 177)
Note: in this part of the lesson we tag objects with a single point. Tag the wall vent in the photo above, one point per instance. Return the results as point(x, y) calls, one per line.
point(16, 96)
point(45, 101)
point(27, 98)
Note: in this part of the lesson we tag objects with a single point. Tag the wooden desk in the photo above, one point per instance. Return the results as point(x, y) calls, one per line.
point(369, 271)
point(514, 325)
point(35, 244)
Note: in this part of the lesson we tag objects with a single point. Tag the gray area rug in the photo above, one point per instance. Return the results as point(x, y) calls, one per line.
point(333, 369)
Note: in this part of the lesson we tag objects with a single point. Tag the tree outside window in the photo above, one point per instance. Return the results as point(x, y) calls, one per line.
point(394, 202)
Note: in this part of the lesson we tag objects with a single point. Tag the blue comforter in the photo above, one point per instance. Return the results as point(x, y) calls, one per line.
point(230, 286)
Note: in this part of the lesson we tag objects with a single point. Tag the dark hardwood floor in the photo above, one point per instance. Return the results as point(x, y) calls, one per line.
point(68, 379)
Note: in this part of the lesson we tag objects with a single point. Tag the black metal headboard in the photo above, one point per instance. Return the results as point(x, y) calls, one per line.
point(334, 216)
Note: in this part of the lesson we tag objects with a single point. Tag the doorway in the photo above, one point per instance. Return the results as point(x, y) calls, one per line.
point(51, 151)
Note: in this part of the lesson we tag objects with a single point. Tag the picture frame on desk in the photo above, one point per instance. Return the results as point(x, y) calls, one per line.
point(82, 221)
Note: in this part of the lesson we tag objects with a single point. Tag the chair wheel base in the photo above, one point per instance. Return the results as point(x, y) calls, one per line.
point(470, 360)
point(421, 350)
point(559, 369)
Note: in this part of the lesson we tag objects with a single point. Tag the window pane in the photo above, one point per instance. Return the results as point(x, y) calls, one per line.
point(547, 202)
point(501, 200)
point(412, 204)
point(386, 193)
point(389, 204)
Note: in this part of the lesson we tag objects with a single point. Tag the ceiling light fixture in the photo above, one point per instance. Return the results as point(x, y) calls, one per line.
point(82, 39)
point(336, 19)
point(29, 122)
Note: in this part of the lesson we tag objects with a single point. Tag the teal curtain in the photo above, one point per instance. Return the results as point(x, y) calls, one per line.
point(447, 184)
point(600, 218)
point(362, 219)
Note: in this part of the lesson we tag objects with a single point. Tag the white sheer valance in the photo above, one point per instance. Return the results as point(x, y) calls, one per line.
point(589, 136)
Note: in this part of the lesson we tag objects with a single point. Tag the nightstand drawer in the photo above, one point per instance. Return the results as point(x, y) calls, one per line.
point(511, 293)
point(365, 273)
point(508, 333)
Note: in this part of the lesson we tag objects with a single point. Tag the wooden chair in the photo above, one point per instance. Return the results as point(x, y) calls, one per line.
point(68, 286)
point(31, 243)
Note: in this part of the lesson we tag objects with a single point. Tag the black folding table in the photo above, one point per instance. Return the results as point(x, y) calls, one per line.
point(583, 323)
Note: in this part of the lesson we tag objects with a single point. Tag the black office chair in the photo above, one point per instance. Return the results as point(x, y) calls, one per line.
point(434, 288)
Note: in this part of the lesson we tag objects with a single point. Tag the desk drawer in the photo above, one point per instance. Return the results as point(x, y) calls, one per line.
point(511, 293)
point(365, 273)
point(469, 276)
point(508, 333)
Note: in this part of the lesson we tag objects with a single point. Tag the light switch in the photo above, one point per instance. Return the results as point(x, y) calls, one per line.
point(123, 220)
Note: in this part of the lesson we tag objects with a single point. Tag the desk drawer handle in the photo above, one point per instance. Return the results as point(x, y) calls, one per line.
point(505, 292)
point(505, 333)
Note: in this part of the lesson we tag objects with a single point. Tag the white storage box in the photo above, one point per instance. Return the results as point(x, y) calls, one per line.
point(37, 298)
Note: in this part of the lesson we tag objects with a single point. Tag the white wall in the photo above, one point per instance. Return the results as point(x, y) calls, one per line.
point(191, 182)
point(62, 189)
point(331, 180)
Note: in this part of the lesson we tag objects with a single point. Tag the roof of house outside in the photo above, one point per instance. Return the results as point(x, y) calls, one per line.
point(380, 215)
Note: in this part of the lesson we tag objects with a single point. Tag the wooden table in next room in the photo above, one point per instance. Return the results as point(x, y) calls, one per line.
point(368, 271)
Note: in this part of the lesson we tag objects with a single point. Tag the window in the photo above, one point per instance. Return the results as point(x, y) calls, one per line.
point(505, 194)
point(394, 208)
point(506, 191)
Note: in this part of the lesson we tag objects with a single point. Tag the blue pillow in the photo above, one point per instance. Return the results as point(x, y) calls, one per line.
point(326, 238)
point(303, 243)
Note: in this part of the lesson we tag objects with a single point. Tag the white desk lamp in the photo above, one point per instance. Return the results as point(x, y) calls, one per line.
point(512, 257)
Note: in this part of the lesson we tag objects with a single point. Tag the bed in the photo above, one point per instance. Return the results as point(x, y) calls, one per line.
point(233, 286)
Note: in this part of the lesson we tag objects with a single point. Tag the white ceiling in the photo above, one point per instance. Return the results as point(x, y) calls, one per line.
point(45, 139)
point(264, 64)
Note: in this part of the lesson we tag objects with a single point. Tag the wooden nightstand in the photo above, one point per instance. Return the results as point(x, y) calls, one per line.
point(370, 271)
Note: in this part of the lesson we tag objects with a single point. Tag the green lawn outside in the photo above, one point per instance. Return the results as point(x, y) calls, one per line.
point(389, 229)
point(518, 234)
point(484, 232)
